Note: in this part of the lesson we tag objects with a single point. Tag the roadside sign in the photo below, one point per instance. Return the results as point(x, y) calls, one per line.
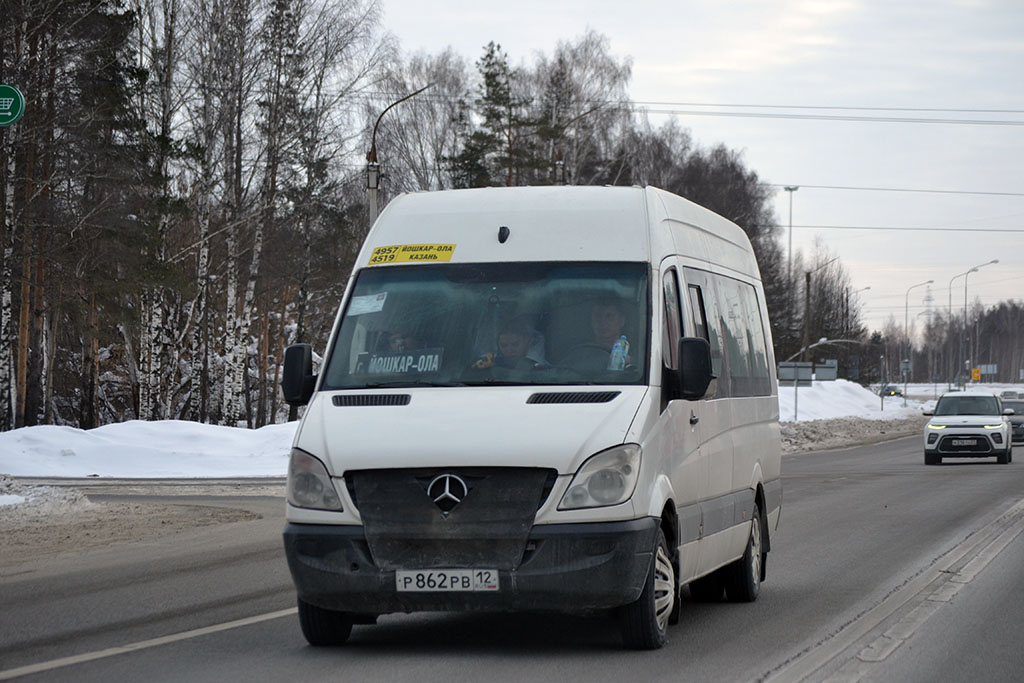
point(801, 372)
point(12, 104)
point(975, 374)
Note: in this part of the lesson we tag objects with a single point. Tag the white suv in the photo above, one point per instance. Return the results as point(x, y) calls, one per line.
point(968, 425)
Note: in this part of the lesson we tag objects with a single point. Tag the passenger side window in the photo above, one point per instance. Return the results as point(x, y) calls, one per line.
point(700, 322)
point(671, 327)
point(699, 315)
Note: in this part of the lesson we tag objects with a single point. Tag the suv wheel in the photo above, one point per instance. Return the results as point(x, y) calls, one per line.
point(932, 458)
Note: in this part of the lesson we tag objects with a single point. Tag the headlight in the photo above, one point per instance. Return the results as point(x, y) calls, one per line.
point(993, 426)
point(607, 478)
point(931, 426)
point(309, 485)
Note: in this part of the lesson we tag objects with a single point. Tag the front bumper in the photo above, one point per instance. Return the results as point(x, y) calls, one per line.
point(565, 567)
point(983, 445)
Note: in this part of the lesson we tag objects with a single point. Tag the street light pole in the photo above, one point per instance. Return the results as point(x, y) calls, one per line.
point(967, 360)
point(789, 275)
point(906, 335)
point(846, 313)
point(953, 364)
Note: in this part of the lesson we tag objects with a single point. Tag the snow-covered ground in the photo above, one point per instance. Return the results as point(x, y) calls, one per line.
point(829, 414)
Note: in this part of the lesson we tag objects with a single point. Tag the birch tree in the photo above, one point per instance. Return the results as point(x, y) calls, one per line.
point(211, 28)
point(160, 26)
point(11, 55)
point(583, 106)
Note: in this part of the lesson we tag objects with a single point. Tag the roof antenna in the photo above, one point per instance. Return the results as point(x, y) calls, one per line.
point(503, 233)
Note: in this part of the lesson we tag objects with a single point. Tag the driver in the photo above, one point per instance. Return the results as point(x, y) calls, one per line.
point(607, 320)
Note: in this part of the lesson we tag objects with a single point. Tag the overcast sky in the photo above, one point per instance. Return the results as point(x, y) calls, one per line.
point(966, 56)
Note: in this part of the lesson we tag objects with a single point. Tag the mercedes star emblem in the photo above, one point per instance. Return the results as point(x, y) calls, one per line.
point(447, 491)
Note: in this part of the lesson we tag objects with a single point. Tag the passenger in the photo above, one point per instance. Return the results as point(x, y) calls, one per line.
point(399, 341)
point(519, 346)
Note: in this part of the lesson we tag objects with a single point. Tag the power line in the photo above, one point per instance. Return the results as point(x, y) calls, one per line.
point(904, 228)
point(826, 107)
point(896, 189)
point(832, 117)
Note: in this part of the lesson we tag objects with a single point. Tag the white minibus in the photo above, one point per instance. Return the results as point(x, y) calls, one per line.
point(537, 398)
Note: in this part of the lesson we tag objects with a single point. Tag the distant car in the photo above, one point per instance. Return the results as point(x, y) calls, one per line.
point(1009, 395)
point(1017, 419)
point(890, 390)
point(968, 425)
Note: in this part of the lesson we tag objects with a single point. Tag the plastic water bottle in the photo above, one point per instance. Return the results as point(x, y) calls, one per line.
point(617, 360)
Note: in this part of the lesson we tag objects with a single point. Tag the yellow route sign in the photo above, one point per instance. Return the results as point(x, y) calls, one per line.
point(403, 253)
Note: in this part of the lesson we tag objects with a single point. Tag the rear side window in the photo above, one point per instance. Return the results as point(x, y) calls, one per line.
point(726, 313)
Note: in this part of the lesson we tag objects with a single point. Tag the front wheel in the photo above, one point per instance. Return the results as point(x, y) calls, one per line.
point(323, 626)
point(1004, 457)
point(932, 458)
point(743, 577)
point(645, 622)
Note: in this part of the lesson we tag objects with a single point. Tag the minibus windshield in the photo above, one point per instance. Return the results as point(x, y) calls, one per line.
point(493, 323)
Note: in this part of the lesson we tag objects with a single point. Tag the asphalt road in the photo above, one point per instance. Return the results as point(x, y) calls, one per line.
point(882, 570)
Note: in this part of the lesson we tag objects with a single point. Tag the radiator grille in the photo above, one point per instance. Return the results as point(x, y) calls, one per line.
point(406, 529)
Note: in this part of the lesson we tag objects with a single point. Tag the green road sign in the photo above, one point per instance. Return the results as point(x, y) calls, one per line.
point(12, 104)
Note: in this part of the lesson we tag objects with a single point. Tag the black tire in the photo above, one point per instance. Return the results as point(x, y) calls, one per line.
point(324, 627)
point(708, 588)
point(743, 577)
point(644, 623)
point(1003, 458)
point(932, 458)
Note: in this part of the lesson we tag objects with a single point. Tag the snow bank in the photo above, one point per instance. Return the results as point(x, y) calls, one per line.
point(170, 448)
point(843, 398)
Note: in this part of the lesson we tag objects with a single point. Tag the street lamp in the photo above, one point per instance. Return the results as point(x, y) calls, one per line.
point(846, 313)
point(807, 300)
point(906, 335)
point(790, 189)
point(964, 275)
point(970, 351)
point(372, 167)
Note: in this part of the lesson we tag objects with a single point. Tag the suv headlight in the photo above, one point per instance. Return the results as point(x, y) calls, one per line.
point(606, 478)
point(309, 484)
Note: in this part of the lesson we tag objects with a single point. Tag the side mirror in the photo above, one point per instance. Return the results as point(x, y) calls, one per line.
point(1009, 411)
point(298, 379)
point(694, 367)
point(928, 413)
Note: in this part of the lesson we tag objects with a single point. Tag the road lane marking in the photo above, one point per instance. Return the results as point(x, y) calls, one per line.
point(985, 544)
point(142, 644)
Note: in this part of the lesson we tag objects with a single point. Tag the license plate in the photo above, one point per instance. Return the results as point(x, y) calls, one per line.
point(964, 442)
point(446, 580)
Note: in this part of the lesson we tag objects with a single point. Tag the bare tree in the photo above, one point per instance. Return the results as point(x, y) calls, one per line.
point(583, 105)
point(416, 137)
